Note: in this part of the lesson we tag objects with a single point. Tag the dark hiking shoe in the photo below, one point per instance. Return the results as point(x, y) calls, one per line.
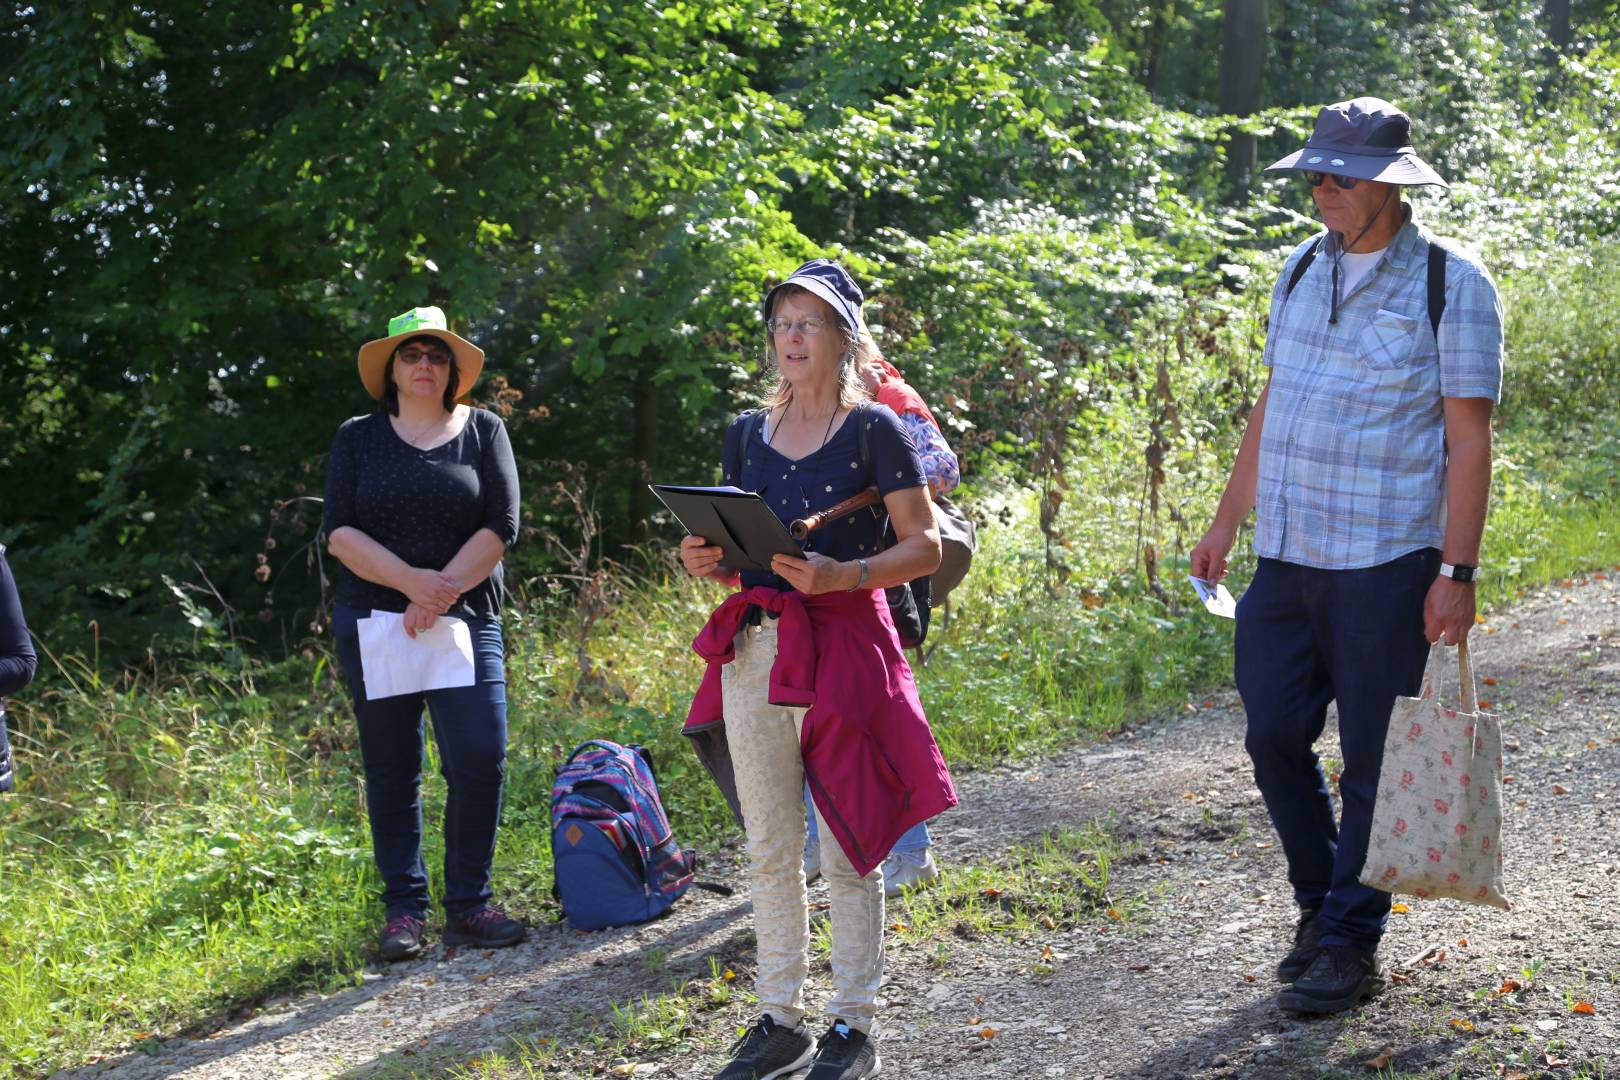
point(768, 1050)
point(1307, 943)
point(1339, 978)
point(844, 1053)
point(489, 927)
point(402, 938)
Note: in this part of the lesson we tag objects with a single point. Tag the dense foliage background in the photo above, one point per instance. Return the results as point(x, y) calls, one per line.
point(205, 207)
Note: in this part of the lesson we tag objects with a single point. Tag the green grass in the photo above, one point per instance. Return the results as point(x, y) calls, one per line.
point(188, 841)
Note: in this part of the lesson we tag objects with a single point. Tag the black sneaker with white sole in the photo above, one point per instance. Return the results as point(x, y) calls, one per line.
point(768, 1050)
point(845, 1053)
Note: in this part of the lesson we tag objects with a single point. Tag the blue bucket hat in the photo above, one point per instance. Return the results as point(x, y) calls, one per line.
point(830, 282)
point(1366, 138)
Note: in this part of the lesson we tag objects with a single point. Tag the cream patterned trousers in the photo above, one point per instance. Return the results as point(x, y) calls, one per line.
point(764, 742)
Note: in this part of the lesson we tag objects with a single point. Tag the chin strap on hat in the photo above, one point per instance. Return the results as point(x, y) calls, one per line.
point(1333, 307)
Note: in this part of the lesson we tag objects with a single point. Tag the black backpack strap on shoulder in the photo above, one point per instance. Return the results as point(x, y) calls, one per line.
point(860, 438)
point(1437, 286)
point(1303, 265)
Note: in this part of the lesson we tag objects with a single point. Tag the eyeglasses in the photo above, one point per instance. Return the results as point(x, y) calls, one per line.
point(412, 357)
point(1344, 183)
point(809, 326)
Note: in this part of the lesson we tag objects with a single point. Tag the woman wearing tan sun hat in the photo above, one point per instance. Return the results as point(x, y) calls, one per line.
point(421, 505)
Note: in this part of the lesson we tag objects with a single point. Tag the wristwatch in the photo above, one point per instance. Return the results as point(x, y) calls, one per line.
point(1459, 573)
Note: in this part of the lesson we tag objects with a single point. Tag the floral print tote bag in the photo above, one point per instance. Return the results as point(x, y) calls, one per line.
point(1437, 824)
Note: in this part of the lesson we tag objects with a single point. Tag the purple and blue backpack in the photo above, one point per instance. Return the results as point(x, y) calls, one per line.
point(614, 855)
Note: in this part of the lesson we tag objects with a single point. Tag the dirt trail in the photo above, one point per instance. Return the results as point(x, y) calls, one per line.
point(1181, 988)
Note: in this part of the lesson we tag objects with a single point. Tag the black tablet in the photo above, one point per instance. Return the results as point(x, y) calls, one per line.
point(738, 521)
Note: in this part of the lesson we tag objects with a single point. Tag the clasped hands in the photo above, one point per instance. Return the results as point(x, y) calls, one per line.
point(431, 593)
point(811, 574)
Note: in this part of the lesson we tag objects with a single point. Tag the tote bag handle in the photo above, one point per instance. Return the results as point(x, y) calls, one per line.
point(1467, 692)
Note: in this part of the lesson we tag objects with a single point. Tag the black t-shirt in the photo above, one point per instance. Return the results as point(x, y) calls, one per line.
point(832, 474)
point(422, 505)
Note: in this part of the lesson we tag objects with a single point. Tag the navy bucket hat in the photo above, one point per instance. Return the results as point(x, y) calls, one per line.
point(829, 281)
point(1366, 138)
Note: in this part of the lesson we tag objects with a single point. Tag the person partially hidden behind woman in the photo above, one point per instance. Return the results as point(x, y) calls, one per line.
point(911, 863)
point(17, 660)
point(421, 505)
point(807, 681)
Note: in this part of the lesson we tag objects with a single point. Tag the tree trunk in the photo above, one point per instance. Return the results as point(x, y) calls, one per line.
point(1557, 14)
point(1243, 69)
point(644, 451)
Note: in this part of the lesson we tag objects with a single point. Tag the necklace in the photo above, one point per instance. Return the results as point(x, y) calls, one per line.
point(804, 499)
point(415, 440)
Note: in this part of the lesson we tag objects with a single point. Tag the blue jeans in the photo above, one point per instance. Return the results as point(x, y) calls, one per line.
point(912, 841)
point(1306, 637)
point(469, 724)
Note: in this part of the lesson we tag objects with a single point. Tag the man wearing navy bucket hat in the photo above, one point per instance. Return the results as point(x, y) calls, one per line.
point(1367, 461)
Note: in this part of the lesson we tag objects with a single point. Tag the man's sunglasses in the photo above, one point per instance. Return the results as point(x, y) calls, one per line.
point(1344, 183)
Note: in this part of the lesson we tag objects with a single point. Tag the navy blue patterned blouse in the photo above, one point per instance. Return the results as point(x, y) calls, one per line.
point(832, 474)
point(422, 505)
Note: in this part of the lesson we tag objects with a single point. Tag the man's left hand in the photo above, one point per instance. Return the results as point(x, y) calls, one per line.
point(815, 573)
point(1448, 610)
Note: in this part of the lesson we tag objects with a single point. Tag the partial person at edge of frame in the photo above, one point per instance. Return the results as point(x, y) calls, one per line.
point(911, 863)
point(18, 662)
point(421, 507)
point(1367, 461)
point(865, 746)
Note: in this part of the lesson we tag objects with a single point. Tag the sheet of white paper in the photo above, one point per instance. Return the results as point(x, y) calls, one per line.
point(395, 663)
point(1215, 597)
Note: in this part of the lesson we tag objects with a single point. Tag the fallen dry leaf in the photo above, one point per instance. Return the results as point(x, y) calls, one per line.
point(992, 891)
point(1560, 789)
point(728, 975)
point(1382, 1060)
point(1113, 913)
point(1399, 909)
point(1507, 1072)
point(1138, 967)
point(1397, 977)
point(975, 1021)
point(1553, 1060)
point(1489, 680)
point(1483, 703)
point(898, 926)
point(1048, 922)
point(1248, 978)
point(1046, 954)
point(1584, 1008)
point(987, 1033)
point(1462, 1025)
point(1462, 942)
point(1509, 986)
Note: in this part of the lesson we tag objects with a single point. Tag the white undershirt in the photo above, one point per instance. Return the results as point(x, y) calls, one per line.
point(1355, 266)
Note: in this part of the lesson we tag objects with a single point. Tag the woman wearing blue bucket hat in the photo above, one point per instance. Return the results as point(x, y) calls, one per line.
point(806, 679)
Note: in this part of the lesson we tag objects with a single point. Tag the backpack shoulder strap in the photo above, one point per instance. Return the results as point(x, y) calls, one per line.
point(1303, 265)
point(1437, 286)
point(860, 438)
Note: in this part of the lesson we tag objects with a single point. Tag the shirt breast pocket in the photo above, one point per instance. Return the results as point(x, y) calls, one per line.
point(1388, 340)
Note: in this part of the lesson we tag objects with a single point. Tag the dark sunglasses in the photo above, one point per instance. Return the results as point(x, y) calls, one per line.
point(1344, 183)
point(412, 357)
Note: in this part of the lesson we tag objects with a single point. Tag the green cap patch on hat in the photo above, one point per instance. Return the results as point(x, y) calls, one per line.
point(418, 318)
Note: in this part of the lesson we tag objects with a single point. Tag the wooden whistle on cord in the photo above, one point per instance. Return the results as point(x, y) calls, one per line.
point(803, 527)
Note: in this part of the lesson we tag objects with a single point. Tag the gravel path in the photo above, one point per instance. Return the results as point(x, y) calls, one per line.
point(1182, 987)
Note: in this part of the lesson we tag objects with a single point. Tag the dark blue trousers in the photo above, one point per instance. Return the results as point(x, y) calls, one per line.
point(1306, 637)
point(469, 724)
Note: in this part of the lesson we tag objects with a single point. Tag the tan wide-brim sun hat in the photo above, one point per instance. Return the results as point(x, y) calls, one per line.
point(419, 322)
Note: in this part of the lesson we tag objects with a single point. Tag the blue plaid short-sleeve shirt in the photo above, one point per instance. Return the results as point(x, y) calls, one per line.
point(1352, 469)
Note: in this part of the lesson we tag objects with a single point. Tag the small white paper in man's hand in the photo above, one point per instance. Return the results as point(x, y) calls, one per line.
point(1215, 597)
point(393, 663)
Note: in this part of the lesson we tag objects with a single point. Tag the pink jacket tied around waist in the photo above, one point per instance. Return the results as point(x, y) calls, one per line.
point(869, 755)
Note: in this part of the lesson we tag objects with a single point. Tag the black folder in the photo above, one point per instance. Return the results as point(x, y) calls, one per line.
point(738, 521)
